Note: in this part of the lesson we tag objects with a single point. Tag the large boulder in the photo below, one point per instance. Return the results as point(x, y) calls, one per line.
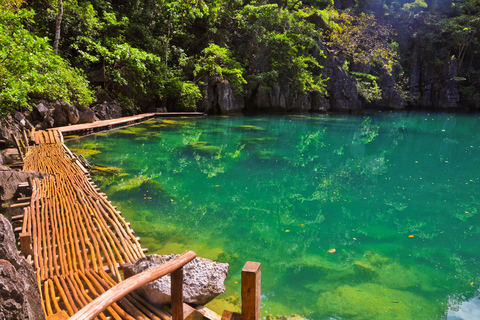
point(19, 292)
point(71, 112)
point(59, 116)
point(203, 280)
point(87, 116)
point(10, 179)
point(107, 110)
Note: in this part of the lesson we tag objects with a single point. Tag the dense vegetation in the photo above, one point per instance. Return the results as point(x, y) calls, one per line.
point(167, 49)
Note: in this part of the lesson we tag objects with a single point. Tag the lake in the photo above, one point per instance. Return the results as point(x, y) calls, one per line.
point(370, 216)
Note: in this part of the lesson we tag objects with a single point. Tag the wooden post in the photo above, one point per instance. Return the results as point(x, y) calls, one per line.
point(251, 290)
point(25, 243)
point(177, 294)
point(127, 270)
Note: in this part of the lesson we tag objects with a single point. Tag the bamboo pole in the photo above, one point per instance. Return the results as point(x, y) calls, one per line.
point(123, 288)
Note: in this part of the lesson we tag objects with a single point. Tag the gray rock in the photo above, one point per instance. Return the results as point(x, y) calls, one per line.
point(107, 110)
point(19, 292)
point(203, 280)
point(42, 109)
point(71, 112)
point(228, 101)
point(8, 127)
point(10, 179)
point(59, 116)
point(219, 97)
point(341, 87)
point(87, 116)
point(281, 99)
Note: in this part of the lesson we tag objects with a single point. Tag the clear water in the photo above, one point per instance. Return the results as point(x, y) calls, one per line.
point(352, 216)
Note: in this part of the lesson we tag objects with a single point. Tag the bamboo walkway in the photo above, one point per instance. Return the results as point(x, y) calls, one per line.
point(77, 240)
point(109, 124)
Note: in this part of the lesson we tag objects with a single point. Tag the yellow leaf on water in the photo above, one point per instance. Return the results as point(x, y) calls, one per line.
point(411, 236)
point(287, 230)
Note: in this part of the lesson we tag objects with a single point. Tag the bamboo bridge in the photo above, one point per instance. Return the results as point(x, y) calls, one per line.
point(82, 247)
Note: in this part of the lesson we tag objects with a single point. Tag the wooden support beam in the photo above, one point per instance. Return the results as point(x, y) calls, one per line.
point(20, 205)
point(17, 218)
point(177, 294)
point(251, 291)
point(26, 243)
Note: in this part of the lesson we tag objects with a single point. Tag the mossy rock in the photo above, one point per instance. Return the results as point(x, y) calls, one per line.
point(150, 136)
point(150, 122)
point(87, 153)
point(203, 148)
point(259, 141)
point(372, 301)
point(105, 171)
point(132, 130)
point(141, 186)
point(250, 128)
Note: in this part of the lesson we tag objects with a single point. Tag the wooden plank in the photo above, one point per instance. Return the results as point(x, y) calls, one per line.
point(229, 315)
point(251, 291)
point(62, 315)
point(20, 205)
point(209, 314)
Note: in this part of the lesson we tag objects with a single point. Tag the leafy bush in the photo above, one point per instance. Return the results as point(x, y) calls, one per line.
point(30, 68)
point(217, 61)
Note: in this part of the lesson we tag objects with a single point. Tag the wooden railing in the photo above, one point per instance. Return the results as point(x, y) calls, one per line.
point(175, 267)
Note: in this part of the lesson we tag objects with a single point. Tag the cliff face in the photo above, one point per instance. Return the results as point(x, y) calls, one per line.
point(19, 292)
point(433, 85)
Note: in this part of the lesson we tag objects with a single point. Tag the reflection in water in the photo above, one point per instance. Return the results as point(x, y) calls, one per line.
point(466, 310)
point(352, 217)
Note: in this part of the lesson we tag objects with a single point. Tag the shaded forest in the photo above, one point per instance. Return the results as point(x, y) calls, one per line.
point(221, 56)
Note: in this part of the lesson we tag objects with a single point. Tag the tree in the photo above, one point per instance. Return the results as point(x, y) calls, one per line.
point(30, 68)
point(361, 39)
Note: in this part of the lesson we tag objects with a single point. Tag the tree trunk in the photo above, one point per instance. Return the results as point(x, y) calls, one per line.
point(58, 25)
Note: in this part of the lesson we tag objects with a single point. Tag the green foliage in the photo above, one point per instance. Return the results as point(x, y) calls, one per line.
point(367, 86)
point(218, 61)
point(362, 39)
point(186, 93)
point(30, 68)
point(278, 46)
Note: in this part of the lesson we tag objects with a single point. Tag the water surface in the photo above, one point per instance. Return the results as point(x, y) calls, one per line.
point(352, 217)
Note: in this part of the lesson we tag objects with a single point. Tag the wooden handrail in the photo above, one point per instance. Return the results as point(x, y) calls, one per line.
point(120, 290)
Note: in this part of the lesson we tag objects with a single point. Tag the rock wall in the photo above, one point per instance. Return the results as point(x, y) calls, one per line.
point(433, 85)
point(219, 97)
point(19, 292)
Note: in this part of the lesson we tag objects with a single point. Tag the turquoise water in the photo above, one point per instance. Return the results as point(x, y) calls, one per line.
point(352, 216)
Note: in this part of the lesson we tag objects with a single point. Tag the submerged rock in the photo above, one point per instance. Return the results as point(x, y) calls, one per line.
point(368, 300)
point(203, 280)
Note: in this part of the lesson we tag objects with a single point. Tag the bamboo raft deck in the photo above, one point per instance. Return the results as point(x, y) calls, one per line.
point(78, 241)
point(82, 248)
point(109, 124)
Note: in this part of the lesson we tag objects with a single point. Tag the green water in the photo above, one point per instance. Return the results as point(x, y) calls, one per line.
point(395, 194)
